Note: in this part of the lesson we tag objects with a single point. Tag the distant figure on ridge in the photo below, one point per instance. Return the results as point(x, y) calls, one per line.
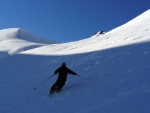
point(62, 77)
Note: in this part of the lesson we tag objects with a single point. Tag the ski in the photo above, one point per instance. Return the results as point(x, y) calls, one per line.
point(50, 94)
point(57, 92)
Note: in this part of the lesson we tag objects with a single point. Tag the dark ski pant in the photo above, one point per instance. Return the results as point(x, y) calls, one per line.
point(57, 86)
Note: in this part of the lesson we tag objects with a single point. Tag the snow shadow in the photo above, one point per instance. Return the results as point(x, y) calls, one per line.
point(118, 79)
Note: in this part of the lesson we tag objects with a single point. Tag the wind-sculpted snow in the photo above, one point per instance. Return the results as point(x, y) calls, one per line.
point(116, 64)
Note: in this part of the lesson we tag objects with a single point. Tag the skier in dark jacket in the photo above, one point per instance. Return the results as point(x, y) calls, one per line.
point(62, 77)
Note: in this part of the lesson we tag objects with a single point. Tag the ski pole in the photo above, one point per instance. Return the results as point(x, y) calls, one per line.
point(43, 82)
point(47, 79)
point(82, 77)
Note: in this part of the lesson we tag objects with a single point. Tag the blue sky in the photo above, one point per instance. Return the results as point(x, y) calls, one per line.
point(68, 20)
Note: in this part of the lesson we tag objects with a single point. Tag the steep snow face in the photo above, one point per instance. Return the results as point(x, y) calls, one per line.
point(135, 31)
point(139, 21)
point(15, 40)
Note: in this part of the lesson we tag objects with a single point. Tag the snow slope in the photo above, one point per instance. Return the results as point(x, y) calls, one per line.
point(116, 64)
point(15, 40)
point(136, 30)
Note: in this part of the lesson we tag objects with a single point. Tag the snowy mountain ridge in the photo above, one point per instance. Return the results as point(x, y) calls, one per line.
point(125, 36)
point(15, 40)
point(25, 43)
point(20, 34)
point(137, 21)
point(116, 65)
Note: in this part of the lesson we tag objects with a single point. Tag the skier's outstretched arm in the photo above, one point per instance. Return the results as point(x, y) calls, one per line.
point(56, 71)
point(71, 72)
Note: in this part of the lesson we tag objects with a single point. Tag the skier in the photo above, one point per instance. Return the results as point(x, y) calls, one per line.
point(62, 77)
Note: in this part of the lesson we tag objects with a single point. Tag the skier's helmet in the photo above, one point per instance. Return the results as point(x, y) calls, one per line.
point(64, 64)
